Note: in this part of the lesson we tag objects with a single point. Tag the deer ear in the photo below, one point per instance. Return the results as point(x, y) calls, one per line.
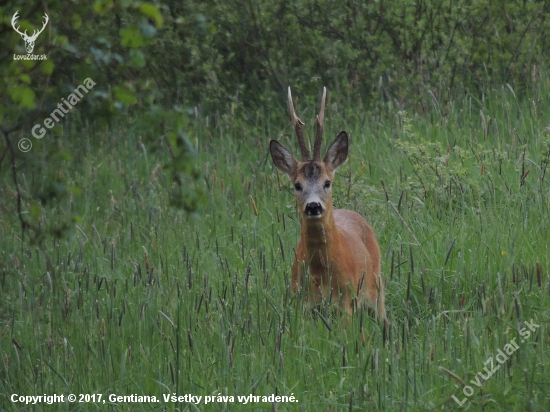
point(337, 152)
point(282, 157)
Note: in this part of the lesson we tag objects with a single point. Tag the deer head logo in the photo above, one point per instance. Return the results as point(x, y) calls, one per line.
point(29, 40)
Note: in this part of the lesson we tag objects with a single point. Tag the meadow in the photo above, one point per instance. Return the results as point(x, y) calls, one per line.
point(146, 299)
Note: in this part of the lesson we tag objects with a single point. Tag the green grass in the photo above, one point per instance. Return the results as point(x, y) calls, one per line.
point(145, 299)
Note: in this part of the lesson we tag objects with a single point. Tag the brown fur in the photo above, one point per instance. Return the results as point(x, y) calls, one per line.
point(346, 240)
point(338, 257)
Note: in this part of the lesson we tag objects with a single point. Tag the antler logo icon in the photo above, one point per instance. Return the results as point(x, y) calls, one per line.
point(29, 40)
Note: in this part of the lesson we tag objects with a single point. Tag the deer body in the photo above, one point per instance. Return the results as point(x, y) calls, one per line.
point(338, 257)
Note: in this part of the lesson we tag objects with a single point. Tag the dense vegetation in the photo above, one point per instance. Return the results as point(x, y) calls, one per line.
point(146, 239)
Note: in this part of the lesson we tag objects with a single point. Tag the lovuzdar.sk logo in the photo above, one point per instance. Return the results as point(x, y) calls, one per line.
point(29, 40)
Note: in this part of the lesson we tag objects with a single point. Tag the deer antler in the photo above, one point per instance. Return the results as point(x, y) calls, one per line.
point(320, 123)
point(37, 32)
point(297, 122)
point(14, 21)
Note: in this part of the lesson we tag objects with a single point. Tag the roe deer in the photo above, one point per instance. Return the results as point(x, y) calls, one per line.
point(337, 247)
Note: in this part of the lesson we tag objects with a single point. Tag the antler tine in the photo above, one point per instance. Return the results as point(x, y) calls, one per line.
point(297, 122)
point(320, 123)
point(37, 32)
point(14, 22)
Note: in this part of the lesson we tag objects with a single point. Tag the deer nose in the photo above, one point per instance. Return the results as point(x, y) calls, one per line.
point(314, 209)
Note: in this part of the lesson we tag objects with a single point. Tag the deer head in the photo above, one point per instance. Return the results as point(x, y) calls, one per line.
point(29, 40)
point(312, 178)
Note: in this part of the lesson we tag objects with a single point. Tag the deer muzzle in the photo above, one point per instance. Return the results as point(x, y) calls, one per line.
point(314, 210)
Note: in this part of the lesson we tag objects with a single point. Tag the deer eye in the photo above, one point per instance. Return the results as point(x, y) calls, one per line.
point(298, 187)
point(327, 184)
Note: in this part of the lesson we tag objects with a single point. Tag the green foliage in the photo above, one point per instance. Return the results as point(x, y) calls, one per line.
point(437, 169)
point(207, 53)
point(104, 288)
point(143, 298)
point(248, 52)
point(447, 177)
point(86, 46)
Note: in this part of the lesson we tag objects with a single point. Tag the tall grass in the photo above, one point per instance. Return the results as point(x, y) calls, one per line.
point(149, 300)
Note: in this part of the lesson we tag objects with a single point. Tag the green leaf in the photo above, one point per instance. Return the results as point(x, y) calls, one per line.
point(76, 20)
point(150, 10)
point(131, 37)
point(25, 78)
point(47, 67)
point(137, 59)
point(62, 41)
point(24, 96)
point(124, 96)
point(102, 7)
